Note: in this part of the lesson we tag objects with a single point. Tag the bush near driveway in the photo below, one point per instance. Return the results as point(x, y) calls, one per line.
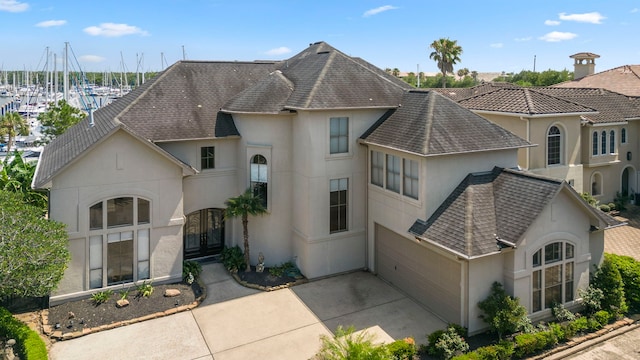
point(29, 345)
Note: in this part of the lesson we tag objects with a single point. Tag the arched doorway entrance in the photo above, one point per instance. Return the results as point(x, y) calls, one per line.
point(625, 181)
point(204, 233)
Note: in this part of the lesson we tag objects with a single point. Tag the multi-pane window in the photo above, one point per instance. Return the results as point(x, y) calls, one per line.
point(603, 142)
point(119, 233)
point(553, 275)
point(207, 157)
point(612, 142)
point(623, 136)
point(393, 173)
point(410, 178)
point(339, 135)
point(338, 202)
point(259, 182)
point(554, 140)
point(594, 144)
point(377, 168)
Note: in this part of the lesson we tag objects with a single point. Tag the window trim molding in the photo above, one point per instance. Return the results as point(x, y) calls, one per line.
point(532, 270)
point(350, 137)
point(349, 199)
point(266, 152)
point(201, 158)
point(561, 150)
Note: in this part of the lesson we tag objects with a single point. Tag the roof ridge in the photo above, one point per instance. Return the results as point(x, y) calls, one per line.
point(530, 103)
point(429, 121)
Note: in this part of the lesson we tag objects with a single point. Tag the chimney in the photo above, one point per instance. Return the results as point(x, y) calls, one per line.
point(584, 64)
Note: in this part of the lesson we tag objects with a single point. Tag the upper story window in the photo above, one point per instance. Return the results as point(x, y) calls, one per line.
point(554, 146)
point(623, 136)
point(377, 168)
point(259, 178)
point(410, 177)
point(393, 173)
point(553, 275)
point(338, 201)
point(338, 135)
point(207, 157)
point(119, 233)
point(612, 142)
point(594, 144)
point(603, 142)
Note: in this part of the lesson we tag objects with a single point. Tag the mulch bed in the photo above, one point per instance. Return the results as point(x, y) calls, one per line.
point(75, 316)
point(264, 279)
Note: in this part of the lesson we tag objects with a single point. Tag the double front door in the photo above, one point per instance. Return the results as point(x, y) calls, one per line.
point(204, 233)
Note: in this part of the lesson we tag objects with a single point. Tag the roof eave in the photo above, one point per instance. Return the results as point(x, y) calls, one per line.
point(458, 254)
point(197, 139)
point(365, 142)
point(529, 115)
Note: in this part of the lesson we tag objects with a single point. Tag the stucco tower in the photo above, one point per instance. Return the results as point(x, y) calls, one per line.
point(584, 64)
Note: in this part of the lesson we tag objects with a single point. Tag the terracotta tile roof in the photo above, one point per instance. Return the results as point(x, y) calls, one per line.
point(623, 79)
point(458, 94)
point(500, 204)
point(524, 101)
point(428, 123)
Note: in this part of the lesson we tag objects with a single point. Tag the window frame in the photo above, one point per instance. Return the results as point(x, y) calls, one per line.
point(623, 136)
point(612, 142)
point(100, 238)
point(603, 142)
point(338, 203)
point(339, 135)
point(393, 173)
point(377, 168)
point(259, 177)
point(557, 153)
point(595, 143)
point(411, 179)
point(552, 277)
point(207, 157)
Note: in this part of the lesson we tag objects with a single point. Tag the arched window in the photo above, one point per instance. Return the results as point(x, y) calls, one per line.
point(259, 178)
point(554, 146)
point(596, 184)
point(553, 275)
point(623, 136)
point(612, 142)
point(119, 232)
point(594, 144)
point(603, 141)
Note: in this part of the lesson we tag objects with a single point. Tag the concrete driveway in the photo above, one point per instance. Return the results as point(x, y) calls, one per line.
point(235, 322)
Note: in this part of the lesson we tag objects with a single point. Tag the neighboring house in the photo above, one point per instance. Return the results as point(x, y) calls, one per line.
point(356, 171)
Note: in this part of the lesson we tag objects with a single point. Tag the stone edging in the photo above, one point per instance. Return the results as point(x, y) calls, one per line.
point(267, 288)
point(48, 330)
point(575, 341)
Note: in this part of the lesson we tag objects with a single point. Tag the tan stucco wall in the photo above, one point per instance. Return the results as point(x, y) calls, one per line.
point(481, 273)
point(119, 166)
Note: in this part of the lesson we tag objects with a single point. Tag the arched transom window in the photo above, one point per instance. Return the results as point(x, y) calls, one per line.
point(259, 177)
point(553, 275)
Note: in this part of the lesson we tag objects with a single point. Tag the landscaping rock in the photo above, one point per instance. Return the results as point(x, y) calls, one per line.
point(122, 303)
point(171, 292)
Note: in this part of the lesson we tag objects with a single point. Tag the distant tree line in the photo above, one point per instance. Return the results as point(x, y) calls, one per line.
point(468, 78)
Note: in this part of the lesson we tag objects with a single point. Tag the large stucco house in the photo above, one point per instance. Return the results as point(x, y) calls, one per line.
point(357, 171)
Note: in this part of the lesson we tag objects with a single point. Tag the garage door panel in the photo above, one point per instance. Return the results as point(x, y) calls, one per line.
point(431, 279)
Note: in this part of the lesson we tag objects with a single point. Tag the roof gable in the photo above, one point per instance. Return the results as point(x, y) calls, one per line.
point(428, 123)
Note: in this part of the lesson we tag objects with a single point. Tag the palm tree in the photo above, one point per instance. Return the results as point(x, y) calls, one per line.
point(12, 124)
point(242, 206)
point(446, 54)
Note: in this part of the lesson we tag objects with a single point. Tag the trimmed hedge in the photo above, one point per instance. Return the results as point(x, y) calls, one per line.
point(29, 345)
point(629, 269)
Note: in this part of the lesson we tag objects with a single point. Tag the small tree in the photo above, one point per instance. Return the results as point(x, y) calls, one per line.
point(446, 54)
point(12, 125)
point(33, 249)
point(503, 313)
point(58, 119)
point(16, 176)
point(609, 280)
point(242, 206)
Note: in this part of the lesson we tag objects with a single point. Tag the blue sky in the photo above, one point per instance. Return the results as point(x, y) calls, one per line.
point(494, 35)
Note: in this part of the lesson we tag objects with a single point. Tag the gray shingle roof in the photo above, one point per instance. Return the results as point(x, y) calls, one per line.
point(525, 101)
point(321, 77)
point(428, 123)
point(502, 203)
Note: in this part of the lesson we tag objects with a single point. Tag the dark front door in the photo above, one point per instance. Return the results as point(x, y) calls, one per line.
point(204, 233)
point(625, 182)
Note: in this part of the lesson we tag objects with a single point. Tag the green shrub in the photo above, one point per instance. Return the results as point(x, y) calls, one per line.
point(609, 280)
point(404, 349)
point(559, 332)
point(451, 344)
point(501, 351)
point(281, 269)
point(348, 345)
point(561, 313)
point(145, 289)
point(602, 317)
point(612, 206)
point(29, 345)
point(191, 271)
point(621, 201)
point(590, 199)
point(503, 313)
point(605, 208)
point(434, 337)
point(591, 299)
point(101, 296)
point(629, 269)
point(233, 258)
point(579, 325)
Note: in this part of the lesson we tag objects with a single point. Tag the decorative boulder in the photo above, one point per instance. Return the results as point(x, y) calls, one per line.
point(171, 292)
point(122, 303)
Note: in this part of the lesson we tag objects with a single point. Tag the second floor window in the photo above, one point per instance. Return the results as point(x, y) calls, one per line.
point(393, 173)
point(207, 157)
point(339, 135)
point(612, 142)
point(554, 140)
point(594, 145)
point(259, 178)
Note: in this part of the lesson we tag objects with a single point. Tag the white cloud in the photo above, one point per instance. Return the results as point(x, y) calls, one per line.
point(378, 10)
point(523, 39)
point(91, 58)
point(556, 36)
point(114, 30)
point(13, 6)
point(50, 23)
point(634, 10)
point(552, 22)
point(279, 51)
point(497, 45)
point(592, 17)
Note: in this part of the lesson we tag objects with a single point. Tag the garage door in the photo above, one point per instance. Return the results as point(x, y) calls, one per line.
point(426, 276)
